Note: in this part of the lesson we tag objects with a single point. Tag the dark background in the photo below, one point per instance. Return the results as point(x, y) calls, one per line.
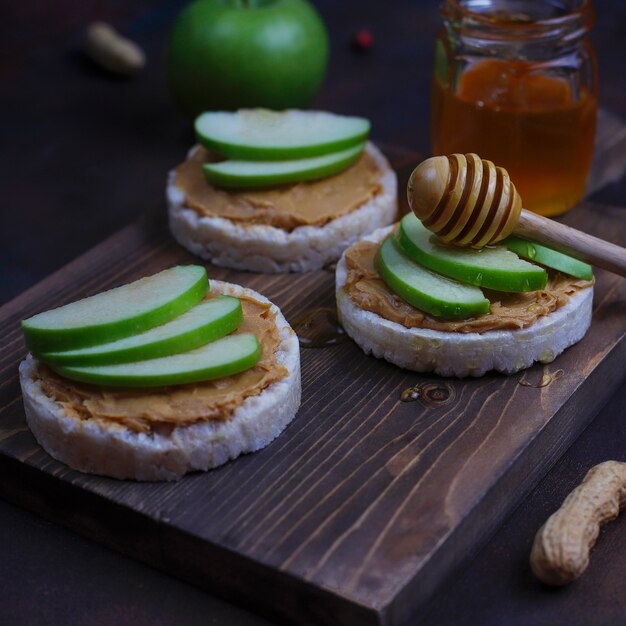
point(84, 153)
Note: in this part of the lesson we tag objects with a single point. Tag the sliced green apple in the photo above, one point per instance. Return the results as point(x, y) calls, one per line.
point(243, 174)
point(549, 257)
point(426, 290)
point(205, 322)
point(220, 358)
point(264, 135)
point(494, 268)
point(119, 312)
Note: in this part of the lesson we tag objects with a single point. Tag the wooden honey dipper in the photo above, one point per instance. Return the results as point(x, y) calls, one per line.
point(470, 202)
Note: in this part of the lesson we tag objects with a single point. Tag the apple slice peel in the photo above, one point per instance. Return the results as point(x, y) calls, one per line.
point(265, 135)
point(549, 257)
point(430, 292)
point(119, 312)
point(494, 268)
point(218, 359)
point(205, 322)
point(246, 174)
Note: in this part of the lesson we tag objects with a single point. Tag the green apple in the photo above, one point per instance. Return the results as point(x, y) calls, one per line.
point(220, 358)
point(549, 258)
point(119, 312)
point(264, 135)
point(244, 174)
point(230, 54)
point(493, 268)
point(426, 290)
point(205, 322)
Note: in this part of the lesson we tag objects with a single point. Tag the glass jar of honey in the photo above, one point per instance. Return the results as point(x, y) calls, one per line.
point(515, 81)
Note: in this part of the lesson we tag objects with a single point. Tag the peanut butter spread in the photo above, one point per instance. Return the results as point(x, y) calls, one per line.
point(508, 311)
point(312, 203)
point(143, 410)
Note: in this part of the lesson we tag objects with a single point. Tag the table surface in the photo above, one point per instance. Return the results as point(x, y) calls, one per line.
point(84, 153)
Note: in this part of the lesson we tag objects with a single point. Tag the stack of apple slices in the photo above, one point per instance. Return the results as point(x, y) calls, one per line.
point(156, 331)
point(264, 148)
point(445, 281)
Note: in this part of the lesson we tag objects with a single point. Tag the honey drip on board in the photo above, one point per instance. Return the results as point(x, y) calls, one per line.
point(429, 394)
point(546, 380)
point(319, 328)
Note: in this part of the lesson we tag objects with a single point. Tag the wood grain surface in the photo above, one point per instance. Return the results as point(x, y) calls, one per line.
point(85, 154)
point(366, 503)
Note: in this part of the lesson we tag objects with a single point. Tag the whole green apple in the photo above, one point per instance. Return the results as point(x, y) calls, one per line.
point(230, 54)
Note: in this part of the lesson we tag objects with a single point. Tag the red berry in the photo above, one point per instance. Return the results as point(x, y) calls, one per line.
point(363, 40)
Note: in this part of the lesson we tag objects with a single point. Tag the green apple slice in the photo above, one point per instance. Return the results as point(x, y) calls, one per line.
point(244, 174)
point(220, 358)
point(203, 323)
point(264, 135)
point(549, 257)
point(493, 268)
point(426, 290)
point(119, 312)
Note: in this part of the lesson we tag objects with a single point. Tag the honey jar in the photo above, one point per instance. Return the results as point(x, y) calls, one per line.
point(515, 81)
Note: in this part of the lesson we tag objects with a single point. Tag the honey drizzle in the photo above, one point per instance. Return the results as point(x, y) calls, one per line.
point(319, 328)
point(546, 379)
point(429, 394)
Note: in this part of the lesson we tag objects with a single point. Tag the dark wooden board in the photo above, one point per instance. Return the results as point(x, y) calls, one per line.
point(365, 504)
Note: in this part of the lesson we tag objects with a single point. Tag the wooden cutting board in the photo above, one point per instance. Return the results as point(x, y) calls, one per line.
point(366, 503)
